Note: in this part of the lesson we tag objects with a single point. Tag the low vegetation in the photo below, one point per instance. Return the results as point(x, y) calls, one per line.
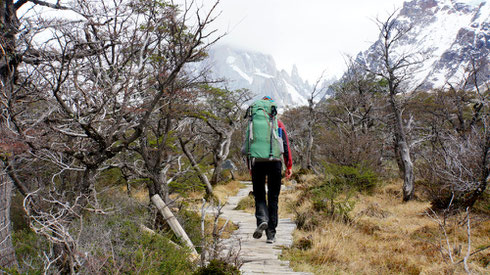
point(121, 241)
point(376, 233)
point(344, 229)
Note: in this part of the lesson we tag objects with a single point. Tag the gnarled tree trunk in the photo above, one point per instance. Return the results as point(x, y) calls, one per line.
point(8, 64)
point(402, 151)
point(394, 69)
point(204, 179)
point(7, 253)
point(221, 152)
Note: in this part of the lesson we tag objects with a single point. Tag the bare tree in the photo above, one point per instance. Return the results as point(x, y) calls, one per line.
point(312, 120)
point(189, 153)
point(298, 132)
point(305, 120)
point(8, 64)
point(222, 114)
point(96, 88)
point(351, 120)
point(395, 67)
point(209, 129)
point(54, 222)
point(9, 28)
point(109, 76)
point(456, 166)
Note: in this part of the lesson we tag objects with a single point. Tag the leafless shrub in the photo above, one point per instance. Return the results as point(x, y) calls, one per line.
point(455, 166)
point(215, 248)
point(350, 131)
point(459, 170)
point(53, 221)
point(450, 251)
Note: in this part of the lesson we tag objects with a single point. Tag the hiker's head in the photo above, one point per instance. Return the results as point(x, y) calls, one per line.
point(267, 98)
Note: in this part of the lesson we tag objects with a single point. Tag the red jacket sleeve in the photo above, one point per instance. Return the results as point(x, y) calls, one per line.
point(288, 158)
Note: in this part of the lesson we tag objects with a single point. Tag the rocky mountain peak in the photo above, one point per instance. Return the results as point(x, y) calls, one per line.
point(448, 34)
point(258, 73)
point(294, 71)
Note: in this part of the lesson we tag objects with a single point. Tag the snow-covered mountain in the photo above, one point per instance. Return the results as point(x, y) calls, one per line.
point(258, 73)
point(448, 33)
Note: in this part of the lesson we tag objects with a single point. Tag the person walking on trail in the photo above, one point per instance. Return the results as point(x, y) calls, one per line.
point(266, 141)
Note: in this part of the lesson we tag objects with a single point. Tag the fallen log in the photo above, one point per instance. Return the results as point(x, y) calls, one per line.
point(173, 222)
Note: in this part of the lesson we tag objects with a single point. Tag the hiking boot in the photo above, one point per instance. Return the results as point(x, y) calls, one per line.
point(271, 237)
point(258, 231)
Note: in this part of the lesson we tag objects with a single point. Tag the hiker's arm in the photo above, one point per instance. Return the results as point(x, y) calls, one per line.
point(288, 158)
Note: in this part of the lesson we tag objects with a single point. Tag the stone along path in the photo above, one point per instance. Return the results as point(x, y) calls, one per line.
point(258, 257)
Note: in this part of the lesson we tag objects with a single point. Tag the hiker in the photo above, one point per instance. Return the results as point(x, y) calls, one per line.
point(265, 143)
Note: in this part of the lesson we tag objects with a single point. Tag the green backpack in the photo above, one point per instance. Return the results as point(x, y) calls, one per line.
point(262, 142)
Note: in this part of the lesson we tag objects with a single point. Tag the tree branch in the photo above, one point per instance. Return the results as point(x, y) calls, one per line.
point(56, 6)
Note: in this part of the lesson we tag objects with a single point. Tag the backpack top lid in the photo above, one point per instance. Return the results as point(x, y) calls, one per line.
point(273, 111)
point(265, 104)
point(267, 98)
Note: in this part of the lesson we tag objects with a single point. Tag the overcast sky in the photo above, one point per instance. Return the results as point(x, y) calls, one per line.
point(313, 34)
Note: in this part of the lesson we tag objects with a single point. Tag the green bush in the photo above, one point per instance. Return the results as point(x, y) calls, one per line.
point(119, 244)
point(152, 254)
point(111, 177)
point(218, 267)
point(331, 196)
point(28, 248)
point(332, 200)
point(186, 184)
point(109, 244)
point(17, 213)
point(359, 177)
point(191, 222)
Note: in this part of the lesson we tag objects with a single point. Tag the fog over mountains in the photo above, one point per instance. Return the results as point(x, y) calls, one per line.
point(446, 34)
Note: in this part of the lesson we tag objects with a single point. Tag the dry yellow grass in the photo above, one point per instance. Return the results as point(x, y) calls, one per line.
point(385, 236)
point(222, 192)
point(285, 208)
point(140, 194)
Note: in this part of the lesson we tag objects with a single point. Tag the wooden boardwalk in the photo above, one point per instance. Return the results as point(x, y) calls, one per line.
point(258, 257)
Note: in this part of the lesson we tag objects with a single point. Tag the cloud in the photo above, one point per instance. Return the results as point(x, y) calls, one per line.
point(314, 34)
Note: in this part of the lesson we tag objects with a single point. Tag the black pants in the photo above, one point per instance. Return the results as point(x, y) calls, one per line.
point(266, 211)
